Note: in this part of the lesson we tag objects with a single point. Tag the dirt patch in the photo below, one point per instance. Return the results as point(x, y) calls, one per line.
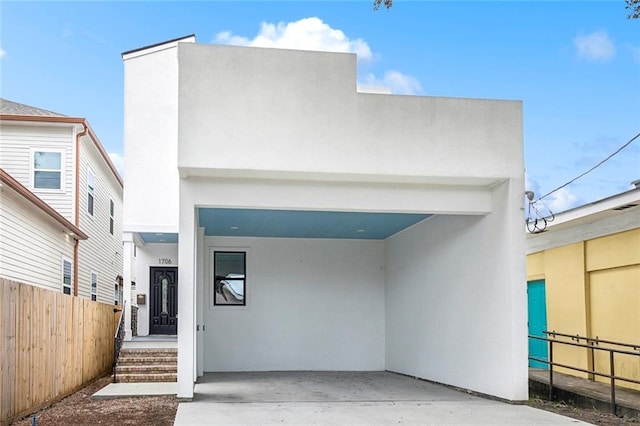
point(589, 415)
point(80, 409)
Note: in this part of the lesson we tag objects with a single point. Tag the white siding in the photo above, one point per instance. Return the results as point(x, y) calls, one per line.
point(16, 143)
point(32, 245)
point(102, 252)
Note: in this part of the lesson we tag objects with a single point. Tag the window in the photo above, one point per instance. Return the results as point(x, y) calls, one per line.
point(118, 290)
point(47, 170)
point(66, 276)
point(94, 286)
point(91, 187)
point(229, 269)
point(111, 210)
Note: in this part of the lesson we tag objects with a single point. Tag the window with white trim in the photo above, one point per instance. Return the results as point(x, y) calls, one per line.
point(66, 276)
point(46, 169)
point(94, 286)
point(111, 216)
point(91, 188)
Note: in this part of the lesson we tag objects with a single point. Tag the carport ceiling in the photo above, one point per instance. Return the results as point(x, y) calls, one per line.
point(303, 224)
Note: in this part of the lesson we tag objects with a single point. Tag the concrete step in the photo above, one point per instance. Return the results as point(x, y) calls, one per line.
point(147, 365)
point(137, 360)
point(148, 352)
point(152, 377)
point(147, 369)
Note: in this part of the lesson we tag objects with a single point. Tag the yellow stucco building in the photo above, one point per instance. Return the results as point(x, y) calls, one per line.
point(583, 274)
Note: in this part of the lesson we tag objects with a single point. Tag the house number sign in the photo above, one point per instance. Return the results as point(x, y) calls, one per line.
point(164, 261)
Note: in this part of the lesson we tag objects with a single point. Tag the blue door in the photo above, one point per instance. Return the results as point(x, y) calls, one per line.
point(537, 322)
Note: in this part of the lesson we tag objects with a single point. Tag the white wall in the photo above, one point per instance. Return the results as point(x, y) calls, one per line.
point(150, 141)
point(311, 305)
point(456, 300)
point(147, 256)
point(32, 244)
point(102, 253)
point(272, 110)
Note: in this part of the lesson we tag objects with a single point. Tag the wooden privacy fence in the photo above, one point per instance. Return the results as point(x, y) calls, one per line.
point(51, 345)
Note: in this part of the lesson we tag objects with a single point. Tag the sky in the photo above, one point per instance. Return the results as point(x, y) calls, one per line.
point(575, 65)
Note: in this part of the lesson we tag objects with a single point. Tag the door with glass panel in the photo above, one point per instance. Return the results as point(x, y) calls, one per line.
point(163, 303)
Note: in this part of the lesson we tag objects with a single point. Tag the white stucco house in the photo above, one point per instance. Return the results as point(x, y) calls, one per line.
point(276, 218)
point(61, 207)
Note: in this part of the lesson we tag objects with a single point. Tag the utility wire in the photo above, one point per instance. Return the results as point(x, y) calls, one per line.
point(593, 168)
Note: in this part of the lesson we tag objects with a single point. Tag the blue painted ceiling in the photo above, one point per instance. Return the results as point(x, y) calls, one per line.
point(303, 224)
point(158, 237)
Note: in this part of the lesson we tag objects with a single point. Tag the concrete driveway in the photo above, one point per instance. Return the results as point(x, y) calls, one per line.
point(345, 398)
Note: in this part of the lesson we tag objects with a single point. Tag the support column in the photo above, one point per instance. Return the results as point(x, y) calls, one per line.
point(127, 254)
point(202, 301)
point(186, 298)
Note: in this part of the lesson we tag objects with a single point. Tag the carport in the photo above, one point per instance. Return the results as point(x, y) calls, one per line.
point(407, 295)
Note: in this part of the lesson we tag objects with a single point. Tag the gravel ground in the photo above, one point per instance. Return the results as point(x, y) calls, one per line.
point(80, 409)
point(592, 415)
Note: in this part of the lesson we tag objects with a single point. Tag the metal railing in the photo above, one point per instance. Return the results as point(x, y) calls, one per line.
point(118, 338)
point(592, 344)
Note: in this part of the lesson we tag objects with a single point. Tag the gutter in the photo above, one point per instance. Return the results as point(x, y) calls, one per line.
point(76, 246)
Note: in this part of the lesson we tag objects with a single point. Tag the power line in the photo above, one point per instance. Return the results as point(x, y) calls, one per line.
point(593, 168)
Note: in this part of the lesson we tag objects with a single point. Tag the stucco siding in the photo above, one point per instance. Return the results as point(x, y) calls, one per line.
point(311, 305)
point(454, 315)
point(102, 252)
point(233, 101)
point(151, 168)
point(32, 246)
point(16, 145)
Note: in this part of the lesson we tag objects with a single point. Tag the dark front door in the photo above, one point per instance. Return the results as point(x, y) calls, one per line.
point(163, 305)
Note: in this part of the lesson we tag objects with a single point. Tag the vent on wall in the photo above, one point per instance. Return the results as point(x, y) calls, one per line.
point(626, 206)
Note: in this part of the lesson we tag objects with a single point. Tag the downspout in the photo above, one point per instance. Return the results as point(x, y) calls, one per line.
point(76, 245)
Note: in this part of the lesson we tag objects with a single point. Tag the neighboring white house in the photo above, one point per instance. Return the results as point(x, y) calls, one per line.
point(60, 161)
point(48, 260)
point(302, 225)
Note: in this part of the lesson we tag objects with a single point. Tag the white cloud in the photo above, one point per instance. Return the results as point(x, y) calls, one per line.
point(596, 46)
point(2, 52)
point(396, 81)
point(305, 34)
point(117, 161)
point(561, 200)
point(314, 34)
